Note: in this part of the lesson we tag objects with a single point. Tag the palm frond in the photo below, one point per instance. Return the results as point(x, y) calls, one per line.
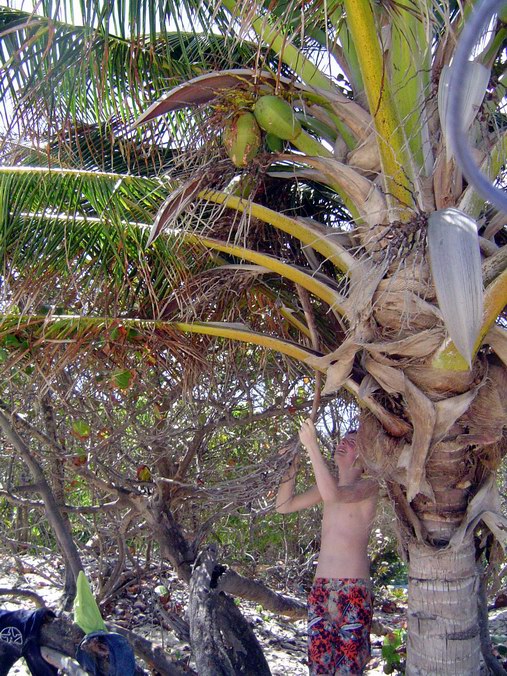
point(91, 73)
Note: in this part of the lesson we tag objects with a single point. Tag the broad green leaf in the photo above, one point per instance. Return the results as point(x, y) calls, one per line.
point(123, 379)
point(11, 341)
point(81, 429)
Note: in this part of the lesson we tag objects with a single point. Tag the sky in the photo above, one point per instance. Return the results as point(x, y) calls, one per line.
point(76, 19)
point(34, 5)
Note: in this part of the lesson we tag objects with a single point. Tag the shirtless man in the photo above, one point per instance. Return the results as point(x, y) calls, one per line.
point(340, 601)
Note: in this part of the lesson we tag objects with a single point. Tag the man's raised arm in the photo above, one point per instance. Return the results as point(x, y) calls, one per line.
point(326, 482)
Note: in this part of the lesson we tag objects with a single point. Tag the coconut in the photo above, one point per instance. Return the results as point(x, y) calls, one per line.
point(274, 143)
point(242, 139)
point(276, 116)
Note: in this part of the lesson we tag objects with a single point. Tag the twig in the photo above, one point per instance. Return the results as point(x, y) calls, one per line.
point(24, 593)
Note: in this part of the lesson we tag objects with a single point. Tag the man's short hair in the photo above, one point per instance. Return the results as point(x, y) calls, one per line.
point(337, 436)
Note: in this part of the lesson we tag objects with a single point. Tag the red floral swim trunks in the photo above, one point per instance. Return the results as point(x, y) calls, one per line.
point(339, 622)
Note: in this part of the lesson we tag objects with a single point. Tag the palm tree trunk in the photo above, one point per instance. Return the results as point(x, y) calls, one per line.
point(443, 624)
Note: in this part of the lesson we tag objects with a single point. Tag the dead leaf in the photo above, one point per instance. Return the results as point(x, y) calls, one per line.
point(340, 367)
point(423, 415)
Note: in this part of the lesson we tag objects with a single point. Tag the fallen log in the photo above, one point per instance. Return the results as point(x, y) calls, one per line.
point(61, 634)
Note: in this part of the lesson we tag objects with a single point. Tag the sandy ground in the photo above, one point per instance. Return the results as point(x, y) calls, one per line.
point(284, 642)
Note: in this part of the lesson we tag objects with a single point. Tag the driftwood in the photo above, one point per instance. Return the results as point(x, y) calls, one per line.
point(61, 634)
point(223, 642)
point(24, 593)
point(63, 662)
point(253, 590)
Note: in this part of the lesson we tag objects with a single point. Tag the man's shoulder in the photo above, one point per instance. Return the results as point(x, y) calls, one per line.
point(364, 489)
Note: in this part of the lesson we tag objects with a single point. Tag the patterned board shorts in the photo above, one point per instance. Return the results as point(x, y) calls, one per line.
point(339, 622)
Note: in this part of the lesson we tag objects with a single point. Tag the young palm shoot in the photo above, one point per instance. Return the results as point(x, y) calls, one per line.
point(474, 87)
point(455, 262)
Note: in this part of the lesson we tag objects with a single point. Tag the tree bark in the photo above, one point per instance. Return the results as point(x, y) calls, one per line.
point(493, 664)
point(253, 590)
point(223, 643)
point(181, 554)
point(443, 623)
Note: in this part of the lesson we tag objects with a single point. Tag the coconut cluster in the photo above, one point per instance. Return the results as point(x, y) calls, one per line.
point(242, 135)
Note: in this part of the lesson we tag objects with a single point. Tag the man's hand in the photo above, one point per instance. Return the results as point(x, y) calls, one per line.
point(308, 434)
point(293, 463)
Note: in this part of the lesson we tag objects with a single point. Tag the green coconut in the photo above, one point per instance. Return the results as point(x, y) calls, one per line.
point(242, 139)
point(276, 116)
point(274, 143)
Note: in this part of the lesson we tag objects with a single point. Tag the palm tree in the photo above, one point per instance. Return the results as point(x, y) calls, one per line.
point(302, 170)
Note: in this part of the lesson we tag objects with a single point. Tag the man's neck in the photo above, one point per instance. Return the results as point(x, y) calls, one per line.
point(346, 479)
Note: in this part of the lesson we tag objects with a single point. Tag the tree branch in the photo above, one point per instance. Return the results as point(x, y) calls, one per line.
point(253, 590)
point(60, 529)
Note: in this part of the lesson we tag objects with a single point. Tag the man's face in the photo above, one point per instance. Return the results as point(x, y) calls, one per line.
point(345, 454)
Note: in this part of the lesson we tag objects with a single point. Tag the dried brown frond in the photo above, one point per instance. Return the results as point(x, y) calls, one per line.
point(486, 419)
point(380, 451)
